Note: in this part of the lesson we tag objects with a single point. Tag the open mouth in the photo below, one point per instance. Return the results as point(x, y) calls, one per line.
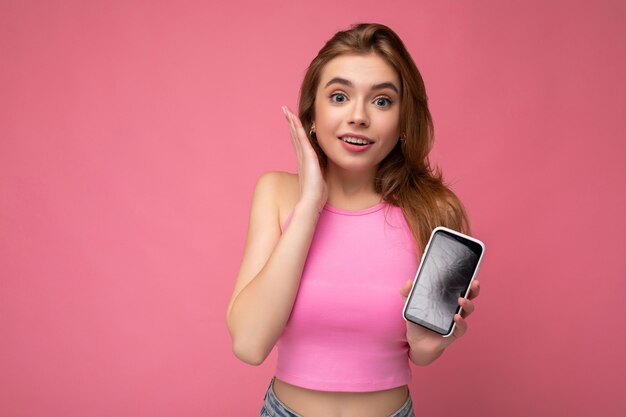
point(355, 141)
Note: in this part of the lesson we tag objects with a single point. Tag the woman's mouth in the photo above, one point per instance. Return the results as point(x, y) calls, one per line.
point(355, 141)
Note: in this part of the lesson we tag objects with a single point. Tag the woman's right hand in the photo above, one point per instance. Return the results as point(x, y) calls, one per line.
point(313, 188)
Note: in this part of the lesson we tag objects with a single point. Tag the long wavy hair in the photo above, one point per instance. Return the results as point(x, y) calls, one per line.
point(405, 177)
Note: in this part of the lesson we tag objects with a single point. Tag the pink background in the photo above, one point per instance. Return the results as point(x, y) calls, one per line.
point(131, 136)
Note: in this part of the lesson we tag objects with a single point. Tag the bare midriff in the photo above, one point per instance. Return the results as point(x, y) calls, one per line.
point(314, 403)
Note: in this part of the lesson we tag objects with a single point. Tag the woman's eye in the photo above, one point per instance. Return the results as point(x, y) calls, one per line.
point(383, 102)
point(337, 97)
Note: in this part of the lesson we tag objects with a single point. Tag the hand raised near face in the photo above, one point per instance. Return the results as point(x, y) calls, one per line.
point(313, 188)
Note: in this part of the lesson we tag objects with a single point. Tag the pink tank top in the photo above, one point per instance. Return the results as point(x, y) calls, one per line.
point(346, 331)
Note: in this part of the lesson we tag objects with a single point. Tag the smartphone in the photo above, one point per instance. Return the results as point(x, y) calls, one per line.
point(449, 264)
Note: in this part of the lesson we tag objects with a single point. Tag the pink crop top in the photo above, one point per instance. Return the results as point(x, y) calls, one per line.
point(346, 331)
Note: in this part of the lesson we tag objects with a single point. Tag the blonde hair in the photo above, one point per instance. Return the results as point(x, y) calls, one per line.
point(405, 177)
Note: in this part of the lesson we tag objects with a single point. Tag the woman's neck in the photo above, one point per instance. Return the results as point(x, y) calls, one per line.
point(351, 190)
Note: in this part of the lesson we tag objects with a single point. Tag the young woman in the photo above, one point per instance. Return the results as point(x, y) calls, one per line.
point(331, 251)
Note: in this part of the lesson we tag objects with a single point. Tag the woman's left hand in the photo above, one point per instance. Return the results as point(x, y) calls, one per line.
point(427, 345)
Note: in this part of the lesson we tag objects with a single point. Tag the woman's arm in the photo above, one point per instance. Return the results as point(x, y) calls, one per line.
point(270, 272)
point(272, 263)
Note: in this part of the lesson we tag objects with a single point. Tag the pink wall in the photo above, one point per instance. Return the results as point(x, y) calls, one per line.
point(131, 135)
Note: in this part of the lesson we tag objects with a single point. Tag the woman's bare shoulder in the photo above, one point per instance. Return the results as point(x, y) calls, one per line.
point(285, 189)
point(282, 184)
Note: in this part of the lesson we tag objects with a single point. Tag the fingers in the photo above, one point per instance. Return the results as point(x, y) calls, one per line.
point(474, 290)
point(406, 288)
point(461, 326)
point(468, 307)
point(298, 135)
point(466, 303)
point(297, 146)
point(299, 128)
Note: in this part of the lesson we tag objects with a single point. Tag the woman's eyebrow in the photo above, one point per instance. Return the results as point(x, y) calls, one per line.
point(348, 83)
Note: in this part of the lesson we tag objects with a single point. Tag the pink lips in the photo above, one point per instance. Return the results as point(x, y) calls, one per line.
point(355, 148)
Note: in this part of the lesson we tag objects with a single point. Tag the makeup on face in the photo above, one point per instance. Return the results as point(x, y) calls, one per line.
point(357, 110)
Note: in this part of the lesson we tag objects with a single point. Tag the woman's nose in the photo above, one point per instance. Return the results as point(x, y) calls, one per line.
point(358, 115)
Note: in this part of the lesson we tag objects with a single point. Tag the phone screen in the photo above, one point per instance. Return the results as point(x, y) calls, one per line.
point(444, 275)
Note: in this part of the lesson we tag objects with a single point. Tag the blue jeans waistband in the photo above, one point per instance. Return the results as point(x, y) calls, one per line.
point(273, 407)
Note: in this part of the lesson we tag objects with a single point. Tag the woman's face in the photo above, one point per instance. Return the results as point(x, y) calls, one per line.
point(357, 111)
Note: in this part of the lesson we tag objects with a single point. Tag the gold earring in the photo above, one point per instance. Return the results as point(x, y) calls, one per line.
point(312, 131)
point(403, 142)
